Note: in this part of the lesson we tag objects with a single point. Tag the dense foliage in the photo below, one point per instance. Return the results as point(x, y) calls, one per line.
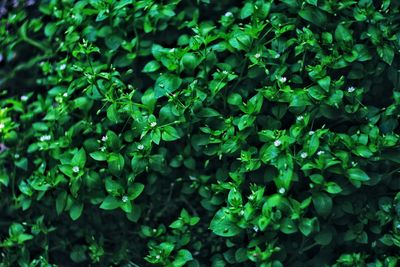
point(199, 133)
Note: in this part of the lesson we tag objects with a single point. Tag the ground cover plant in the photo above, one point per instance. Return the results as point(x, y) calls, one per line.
point(199, 133)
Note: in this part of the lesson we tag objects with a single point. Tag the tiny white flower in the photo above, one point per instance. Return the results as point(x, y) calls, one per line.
point(2, 125)
point(255, 228)
point(277, 55)
point(104, 138)
point(154, 230)
point(24, 98)
point(351, 89)
point(225, 72)
point(125, 199)
point(241, 213)
point(75, 169)
point(65, 94)
point(282, 190)
point(353, 163)
point(282, 79)
point(63, 66)
point(258, 55)
point(311, 132)
point(45, 138)
point(319, 153)
point(228, 14)
point(277, 143)
point(16, 156)
point(158, 257)
point(103, 148)
point(304, 155)
point(140, 147)
point(300, 118)
point(172, 50)
point(153, 124)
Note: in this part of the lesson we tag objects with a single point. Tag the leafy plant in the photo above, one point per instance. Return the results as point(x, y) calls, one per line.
point(199, 133)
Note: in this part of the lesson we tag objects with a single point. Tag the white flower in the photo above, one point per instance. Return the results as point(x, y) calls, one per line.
point(158, 257)
point(300, 118)
point(228, 14)
point(255, 228)
point(353, 163)
point(2, 126)
point(75, 169)
point(45, 138)
point(125, 199)
point(24, 98)
point(258, 55)
point(63, 66)
point(304, 155)
point(104, 138)
point(172, 50)
point(140, 147)
point(153, 124)
point(351, 89)
point(282, 79)
point(277, 143)
point(282, 190)
point(103, 148)
point(65, 95)
point(16, 156)
point(241, 213)
point(225, 72)
point(277, 55)
point(319, 153)
point(311, 132)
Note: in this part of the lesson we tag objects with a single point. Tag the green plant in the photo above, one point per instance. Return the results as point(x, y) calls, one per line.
point(199, 133)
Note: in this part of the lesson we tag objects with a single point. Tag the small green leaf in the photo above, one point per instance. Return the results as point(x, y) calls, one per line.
point(307, 226)
point(324, 238)
point(325, 83)
point(116, 163)
point(76, 210)
point(333, 188)
point(110, 203)
point(386, 53)
point(113, 42)
point(166, 84)
point(99, 155)
point(322, 203)
point(314, 15)
point(182, 257)
point(169, 133)
point(151, 66)
point(342, 34)
point(363, 151)
point(135, 190)
point(222, 225)
point(79, 158)
point(61, 202)
point(112, 113)
point(247, 10)
point(246, 121)
point(358, 175)
point(190, 61)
